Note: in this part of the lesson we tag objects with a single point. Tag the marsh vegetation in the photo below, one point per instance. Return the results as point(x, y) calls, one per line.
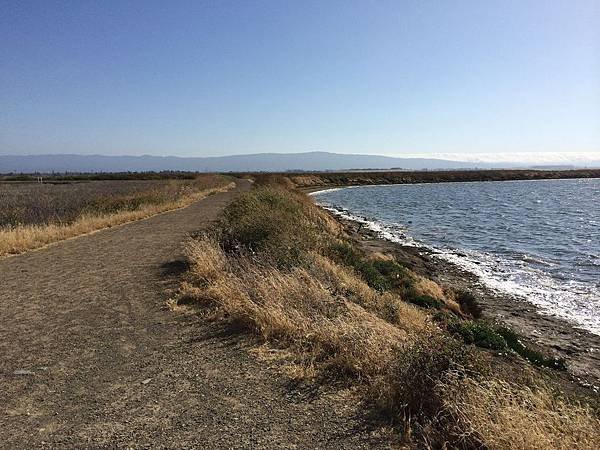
point(34, 214)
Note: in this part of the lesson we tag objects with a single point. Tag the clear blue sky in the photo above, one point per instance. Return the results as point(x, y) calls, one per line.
point(225, 77)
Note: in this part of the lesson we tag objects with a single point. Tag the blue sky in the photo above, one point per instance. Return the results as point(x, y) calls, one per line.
point(198, 78)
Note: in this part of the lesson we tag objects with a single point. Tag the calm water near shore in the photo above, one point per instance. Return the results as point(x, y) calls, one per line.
point(538, 240)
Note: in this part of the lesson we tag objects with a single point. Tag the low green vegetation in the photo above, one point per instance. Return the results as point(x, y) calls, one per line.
point(501, 338)
point(515, 343)
point(425, 301)
point(478, 333)
point(383, 275)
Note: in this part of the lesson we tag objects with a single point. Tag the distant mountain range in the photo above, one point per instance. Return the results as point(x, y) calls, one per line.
point(267, 162)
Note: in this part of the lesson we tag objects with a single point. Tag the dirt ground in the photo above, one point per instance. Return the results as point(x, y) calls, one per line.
point(90, 356)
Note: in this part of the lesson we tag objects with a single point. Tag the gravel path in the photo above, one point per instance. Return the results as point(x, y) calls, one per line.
point(91, 357)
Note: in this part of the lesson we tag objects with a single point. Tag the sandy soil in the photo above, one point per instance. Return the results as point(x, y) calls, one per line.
point(91, 356)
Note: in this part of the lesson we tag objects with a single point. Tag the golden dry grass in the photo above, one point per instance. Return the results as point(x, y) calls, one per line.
point(425, 286)
point(507, 416)
point(21, 238)
point(294, 308)
point(306, 180)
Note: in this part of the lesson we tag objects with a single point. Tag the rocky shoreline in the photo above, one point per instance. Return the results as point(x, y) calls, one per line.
point(552, 335)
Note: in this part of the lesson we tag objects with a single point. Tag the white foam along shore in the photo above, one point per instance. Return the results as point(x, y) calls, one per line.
point(563, 301)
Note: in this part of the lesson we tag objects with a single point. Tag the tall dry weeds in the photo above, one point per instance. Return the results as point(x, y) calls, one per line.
point(293, 308)
point(504, 415)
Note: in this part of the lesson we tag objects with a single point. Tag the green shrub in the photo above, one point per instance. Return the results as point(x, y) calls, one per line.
point(443, 317)
point(425, 301)
point(346, 254)
point(277, 224)
point(373, 277)
point(396, 274)
point(485, 335)
point(381, 275)
point(478, 333)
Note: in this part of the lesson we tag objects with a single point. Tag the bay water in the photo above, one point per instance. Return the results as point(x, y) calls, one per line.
point(537, 240)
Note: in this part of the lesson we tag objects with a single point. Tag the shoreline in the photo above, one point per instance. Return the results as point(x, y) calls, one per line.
point(324, 180)
point(309, 190)
point(553, 335)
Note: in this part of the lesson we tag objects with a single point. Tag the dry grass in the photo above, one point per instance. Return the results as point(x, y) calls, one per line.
point(507, 416)
point(388, 306)
point(64, 202)
point(306, 180)
point(330, 334)
point(333, 323)
point(454, 397)
point(20, 238)
point(425, 286)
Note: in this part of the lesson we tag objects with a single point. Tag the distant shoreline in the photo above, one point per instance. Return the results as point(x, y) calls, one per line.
point(313, 182)
point(314, 179)
point(316, 189)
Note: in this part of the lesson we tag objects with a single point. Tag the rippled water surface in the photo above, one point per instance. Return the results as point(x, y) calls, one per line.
point(539, 240)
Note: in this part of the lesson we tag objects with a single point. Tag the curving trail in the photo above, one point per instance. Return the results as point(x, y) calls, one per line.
point(90, 356)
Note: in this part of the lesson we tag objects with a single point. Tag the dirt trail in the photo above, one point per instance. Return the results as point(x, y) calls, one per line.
point(90, 356)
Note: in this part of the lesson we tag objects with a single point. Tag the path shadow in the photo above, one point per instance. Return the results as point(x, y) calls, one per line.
point(174, 268)
point(366, 419)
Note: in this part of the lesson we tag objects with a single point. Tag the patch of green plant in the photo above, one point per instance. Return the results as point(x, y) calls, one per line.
point(396, 274)
point(272, 222)
point(501, 338)
point(425, 301)
point(345, 254)
point(386, 275)
point(373, 277)
point(382, 275)
point(479, 333)
point(443, 317)
point(514, 342)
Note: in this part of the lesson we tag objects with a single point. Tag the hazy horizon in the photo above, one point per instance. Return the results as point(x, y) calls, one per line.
point(541, 158)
